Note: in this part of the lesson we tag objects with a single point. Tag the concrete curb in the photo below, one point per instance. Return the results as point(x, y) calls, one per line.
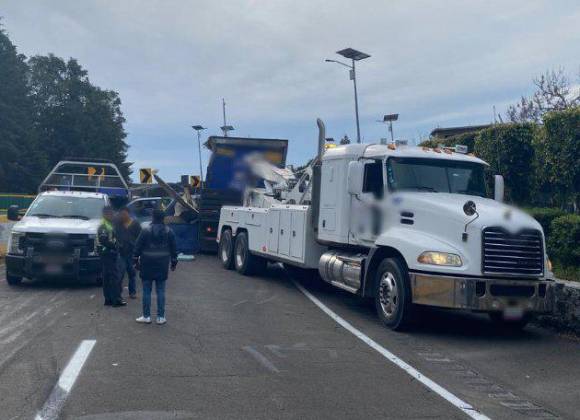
point(566, 315)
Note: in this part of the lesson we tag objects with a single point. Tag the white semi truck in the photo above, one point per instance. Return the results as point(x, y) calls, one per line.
point(403, 225)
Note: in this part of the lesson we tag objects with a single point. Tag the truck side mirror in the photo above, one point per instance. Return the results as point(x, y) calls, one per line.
point(12, 213)
point(498, 188)
point(355, 177)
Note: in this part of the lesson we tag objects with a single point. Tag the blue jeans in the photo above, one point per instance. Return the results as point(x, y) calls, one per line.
point(160, 291)
point(127, 267)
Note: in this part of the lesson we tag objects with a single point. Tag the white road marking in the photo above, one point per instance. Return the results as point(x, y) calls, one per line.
point(261, 358)
point(410, 370)
point(55, 402)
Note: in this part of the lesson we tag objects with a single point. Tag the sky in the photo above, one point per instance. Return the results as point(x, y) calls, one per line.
point(436, 63)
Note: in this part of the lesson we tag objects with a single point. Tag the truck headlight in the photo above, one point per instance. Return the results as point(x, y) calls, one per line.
point(440, 258)
point(14, 243)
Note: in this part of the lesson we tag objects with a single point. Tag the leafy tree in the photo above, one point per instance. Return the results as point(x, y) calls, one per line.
point(73, 117)
point(509, 151)
point(20, 163)
point(554, 92)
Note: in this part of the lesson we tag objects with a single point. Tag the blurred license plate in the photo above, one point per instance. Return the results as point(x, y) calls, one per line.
point(53, 269)
point(513, 312)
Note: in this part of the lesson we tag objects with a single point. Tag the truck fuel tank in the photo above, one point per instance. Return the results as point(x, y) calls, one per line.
point(342, 269)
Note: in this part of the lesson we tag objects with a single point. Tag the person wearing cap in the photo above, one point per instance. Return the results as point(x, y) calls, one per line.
point(155, 252)
point(108, 250)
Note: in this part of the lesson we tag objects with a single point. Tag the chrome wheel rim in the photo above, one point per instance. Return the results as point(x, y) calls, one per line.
point(239, 254)
point(388, 295)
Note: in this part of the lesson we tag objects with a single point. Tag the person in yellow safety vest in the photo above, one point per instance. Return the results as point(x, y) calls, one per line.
point(109, 252)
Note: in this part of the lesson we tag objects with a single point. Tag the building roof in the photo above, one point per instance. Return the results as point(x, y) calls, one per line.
point(444, 132)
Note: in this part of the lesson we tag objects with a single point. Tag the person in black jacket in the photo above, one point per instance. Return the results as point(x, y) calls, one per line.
point(127, 230)
point(155, 251)
point(108, 250)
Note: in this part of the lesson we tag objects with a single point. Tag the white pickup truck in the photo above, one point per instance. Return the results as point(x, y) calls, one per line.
point(56, 236)
point(405, 226)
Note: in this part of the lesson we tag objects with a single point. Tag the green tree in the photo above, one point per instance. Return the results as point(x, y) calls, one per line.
point(21, 165)
point(509, 150)
point(73, 117)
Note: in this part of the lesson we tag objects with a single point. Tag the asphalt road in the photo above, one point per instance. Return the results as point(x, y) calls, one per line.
point(240, 347)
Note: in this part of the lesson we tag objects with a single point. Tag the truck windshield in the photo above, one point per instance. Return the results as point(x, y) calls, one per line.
point(436, 175)
point(62, 206)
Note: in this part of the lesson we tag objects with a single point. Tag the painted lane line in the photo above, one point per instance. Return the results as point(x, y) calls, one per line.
point(55, 402)
point(410, 370)
point(263, 360)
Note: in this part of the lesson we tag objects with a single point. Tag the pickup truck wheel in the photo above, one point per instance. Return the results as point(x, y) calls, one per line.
point(244, 261)
point(509, 324)
point(393, 294)
point(13, 280)
point(226, 249)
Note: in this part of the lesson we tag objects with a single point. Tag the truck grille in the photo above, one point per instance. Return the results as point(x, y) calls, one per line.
point(520, 254)
point(58, 243)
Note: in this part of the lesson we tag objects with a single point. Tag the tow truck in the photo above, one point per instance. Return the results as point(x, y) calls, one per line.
point(56, 236)
point(405, 226)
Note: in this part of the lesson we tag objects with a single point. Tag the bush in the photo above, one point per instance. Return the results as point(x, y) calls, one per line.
point(545, 216)
point(564, 240)
point(509, 151)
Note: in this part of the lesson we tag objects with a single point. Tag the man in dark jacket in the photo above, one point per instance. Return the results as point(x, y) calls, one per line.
point(155, 251)
point(109, 253)
point(127, 231)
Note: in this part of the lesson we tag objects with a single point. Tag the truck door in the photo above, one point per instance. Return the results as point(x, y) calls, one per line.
point(273, 230)
point(367, 218)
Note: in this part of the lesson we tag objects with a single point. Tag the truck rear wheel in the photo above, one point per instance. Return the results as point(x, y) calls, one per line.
point(13, 280)
point(393, 294)
point(226, 249)
point(244, 261)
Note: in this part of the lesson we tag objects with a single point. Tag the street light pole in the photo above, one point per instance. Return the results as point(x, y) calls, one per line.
point(353, 55)
point(353, 76)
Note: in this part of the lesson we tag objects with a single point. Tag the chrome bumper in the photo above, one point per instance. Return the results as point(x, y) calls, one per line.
point(482, 294)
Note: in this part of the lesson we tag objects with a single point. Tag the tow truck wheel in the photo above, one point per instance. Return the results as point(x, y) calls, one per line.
point(226, 249)
point(244, 261)
point(509, 324)
point(13, 280)
point(393, 294)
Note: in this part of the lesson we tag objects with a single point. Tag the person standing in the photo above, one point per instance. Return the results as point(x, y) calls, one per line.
point(108, 251)
point(127, 231)
point(155, 251)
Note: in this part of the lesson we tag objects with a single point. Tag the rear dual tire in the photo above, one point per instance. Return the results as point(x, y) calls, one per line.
point(226, 249)
point(245, 262)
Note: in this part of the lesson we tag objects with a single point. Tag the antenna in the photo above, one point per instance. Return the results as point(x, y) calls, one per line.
point(225, 128)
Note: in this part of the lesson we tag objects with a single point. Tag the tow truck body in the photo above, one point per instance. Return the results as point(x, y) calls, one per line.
point(404, 225)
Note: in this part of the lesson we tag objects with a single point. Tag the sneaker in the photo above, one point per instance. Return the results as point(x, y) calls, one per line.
point(161, 320)
point(144, 320)
point(119, 303)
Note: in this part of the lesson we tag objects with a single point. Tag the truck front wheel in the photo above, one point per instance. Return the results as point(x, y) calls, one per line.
point(393, 294)
point(245, 262)
point(226, 249)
